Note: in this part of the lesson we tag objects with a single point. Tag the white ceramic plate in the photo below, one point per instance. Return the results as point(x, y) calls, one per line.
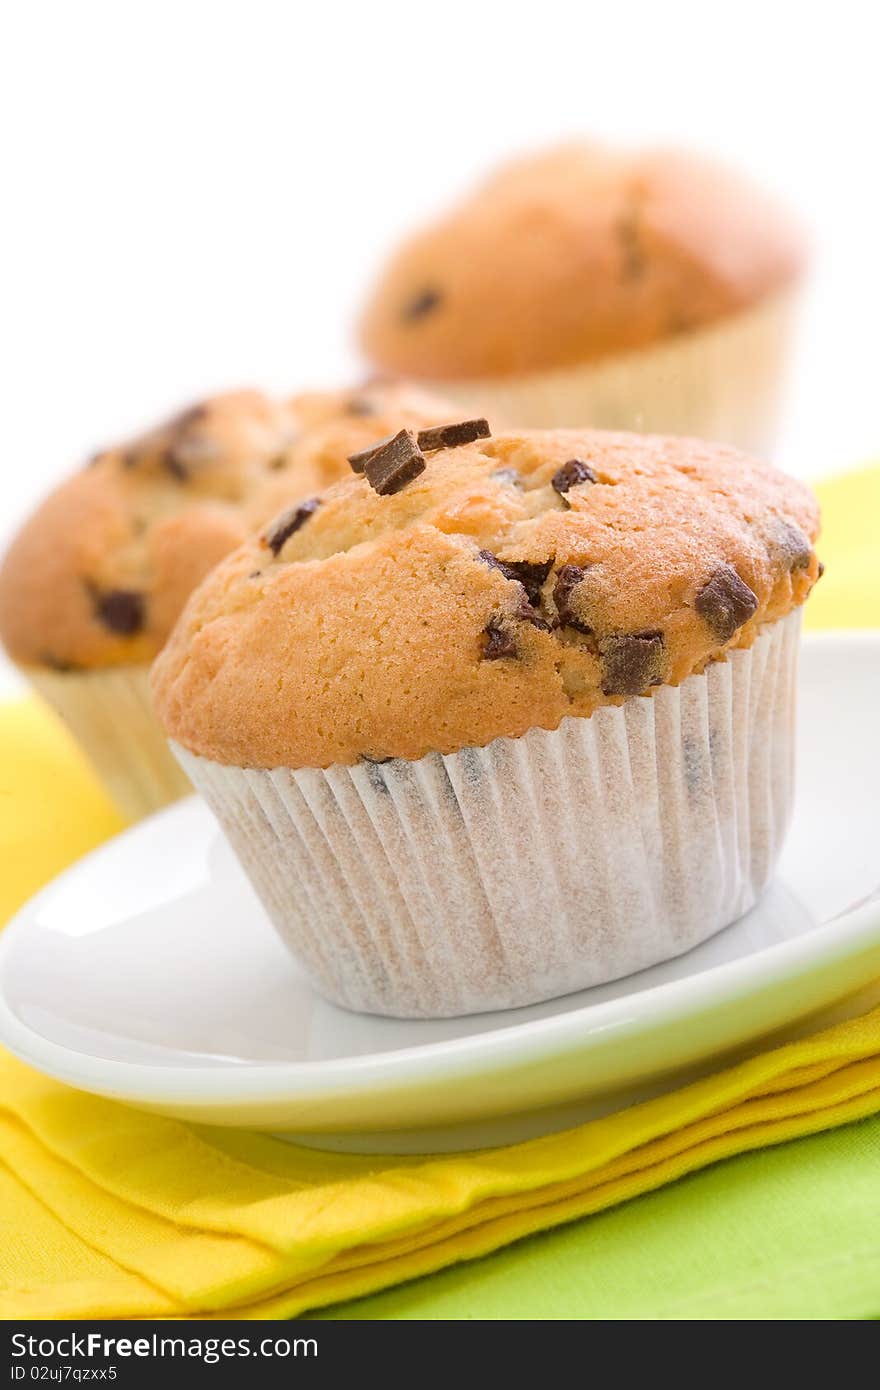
point(148, 972)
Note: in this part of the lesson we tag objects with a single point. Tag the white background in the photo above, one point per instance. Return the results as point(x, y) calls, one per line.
point(195, 194)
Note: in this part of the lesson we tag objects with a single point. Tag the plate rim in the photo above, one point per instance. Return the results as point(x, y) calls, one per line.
point(441, 1061)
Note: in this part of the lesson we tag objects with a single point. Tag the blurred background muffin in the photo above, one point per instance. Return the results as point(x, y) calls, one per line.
point(645, 290)
point(95, 579)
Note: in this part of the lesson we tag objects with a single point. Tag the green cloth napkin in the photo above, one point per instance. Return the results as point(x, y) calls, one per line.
point(785, 1233)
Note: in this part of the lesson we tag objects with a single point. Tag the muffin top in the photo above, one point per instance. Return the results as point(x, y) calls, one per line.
point(566, 257)
point(100, 572)
point(450, 595)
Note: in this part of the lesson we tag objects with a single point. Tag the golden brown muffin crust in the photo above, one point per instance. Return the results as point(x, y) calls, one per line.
point(574, 254)
point(99, 574)
point(517, 580)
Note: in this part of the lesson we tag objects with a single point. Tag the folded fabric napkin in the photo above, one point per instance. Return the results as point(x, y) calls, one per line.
point(105, 1211)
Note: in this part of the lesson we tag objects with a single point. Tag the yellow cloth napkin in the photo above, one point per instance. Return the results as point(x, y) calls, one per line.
point(105, 1211)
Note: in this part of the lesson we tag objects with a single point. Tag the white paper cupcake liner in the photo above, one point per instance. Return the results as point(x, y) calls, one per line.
point(110, 714)
point(723, 382)
point(535, 866)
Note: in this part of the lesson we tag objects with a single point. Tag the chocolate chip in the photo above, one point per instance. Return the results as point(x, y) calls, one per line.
point(568, 579)
point(172, 463)
point(421, 304)
point(821, 570)
point(120, 610)
point(360, 407)
point(677, 323)
point(528, 573)
point(57, 663)
point(509, 476)
point(632, 662)
point(178, 454)
point(527, 613)
point(453, 436)
point(192, 415)
point(359, 460)
point(497, 641)
point(288, 523)
point(390, 467)
point(789, 546)
point(725, 603)
point(570, 474)
point(277, 462)
point(629, 236)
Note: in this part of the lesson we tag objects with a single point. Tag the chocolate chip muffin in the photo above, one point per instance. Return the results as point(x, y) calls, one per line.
point(588, 286)
point(500, 717)
point(95, 580)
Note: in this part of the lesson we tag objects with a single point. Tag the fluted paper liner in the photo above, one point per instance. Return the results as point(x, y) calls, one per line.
point(721, 382)
point(535, 866)
point(110, 714)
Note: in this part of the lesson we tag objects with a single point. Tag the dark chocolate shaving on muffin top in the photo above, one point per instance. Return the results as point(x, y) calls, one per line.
point(725, 603)
point(567, 580)
point(393, 465)
point(497, 641)
point(289, 523)
point(359, 460)
point(529, 574)
point(453, 436)
point(570, 474)
point(789, 544)
point(631, 662)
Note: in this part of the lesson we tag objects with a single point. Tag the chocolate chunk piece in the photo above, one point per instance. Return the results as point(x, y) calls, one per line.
point(173, 464)
point(121, 610)
point(421, 304)
point(58, 663)
point(453, 436)
point(530, 574)
point(629, 231)
point(821, 570)
point(528, 613)
point(288, 523)
point(192, 415)
point(570, 474)
point(360, 407)
point(567, 580)
point(789, 546)
point(359, 460)
point(390, 467)
point(725, 603)
point(632, 662)
point(497, 641)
